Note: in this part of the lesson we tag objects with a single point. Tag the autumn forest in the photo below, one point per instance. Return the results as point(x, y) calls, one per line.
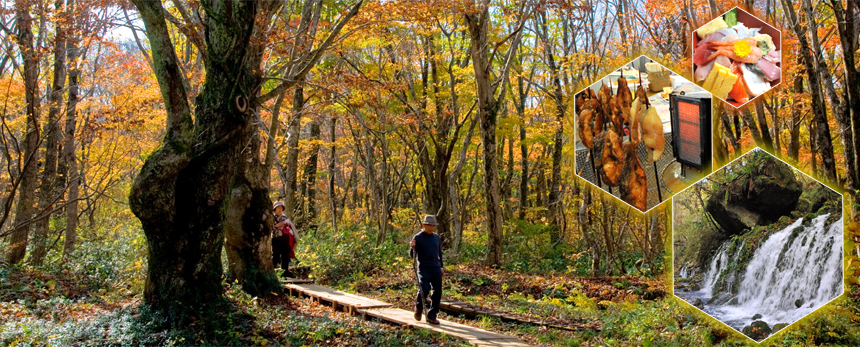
point(145, 142)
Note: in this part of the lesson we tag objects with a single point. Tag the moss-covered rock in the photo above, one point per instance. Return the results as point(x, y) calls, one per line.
point(764, 190)
point(758, 330)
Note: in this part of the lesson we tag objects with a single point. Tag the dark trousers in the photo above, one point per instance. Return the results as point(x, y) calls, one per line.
point(429, 278)
point(281, 254)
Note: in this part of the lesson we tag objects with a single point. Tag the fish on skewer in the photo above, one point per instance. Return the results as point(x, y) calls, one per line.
point(609, 156)
point(624, 95)
point(652, 135)
point(637, 112)
point(590, 121)
point(582, 97)
point(617, 114)
point(633, 185)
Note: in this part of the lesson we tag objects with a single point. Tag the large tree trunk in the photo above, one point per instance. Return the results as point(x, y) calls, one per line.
point(70, 162)
point(27, 186)
point(181, 191)
point(48, 188)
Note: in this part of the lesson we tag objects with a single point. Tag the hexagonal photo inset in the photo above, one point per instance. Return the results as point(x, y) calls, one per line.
point(757, 244)
point(737, 57)
point(642, 133)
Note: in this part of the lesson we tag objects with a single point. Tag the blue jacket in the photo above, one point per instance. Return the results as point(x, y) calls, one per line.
point(429, 250)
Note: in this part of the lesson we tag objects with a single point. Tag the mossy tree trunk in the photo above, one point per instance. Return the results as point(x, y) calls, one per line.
point(181, 192)
point(206, 182)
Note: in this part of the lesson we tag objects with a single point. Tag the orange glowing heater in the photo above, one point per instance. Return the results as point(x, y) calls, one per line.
point(691, 129)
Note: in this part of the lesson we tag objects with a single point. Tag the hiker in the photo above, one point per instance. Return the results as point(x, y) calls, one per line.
point(283, 240)
point(426, 247)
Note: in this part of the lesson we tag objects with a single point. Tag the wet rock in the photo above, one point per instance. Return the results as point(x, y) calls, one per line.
point(757, 316)
point(758, 330)
point(698, 303)
point(695, 287)
point(720, 299)
point(799, 303)
point(733, 301)
point(733, 218)
point(779, 326)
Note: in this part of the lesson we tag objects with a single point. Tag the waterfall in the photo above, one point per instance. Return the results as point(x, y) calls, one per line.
point(718, 264)
point(788, 266)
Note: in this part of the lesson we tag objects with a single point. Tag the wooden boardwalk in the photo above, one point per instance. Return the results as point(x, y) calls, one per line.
point(359, 305)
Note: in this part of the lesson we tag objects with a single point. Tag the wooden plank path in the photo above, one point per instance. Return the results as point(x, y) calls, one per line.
point(457, 306)
point(356, 305)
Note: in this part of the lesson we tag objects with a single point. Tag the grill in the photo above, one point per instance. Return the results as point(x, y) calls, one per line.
point(691, 129)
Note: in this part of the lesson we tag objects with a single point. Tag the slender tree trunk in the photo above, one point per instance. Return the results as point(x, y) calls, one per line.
point(332, 198)
point(846, 23)
point(488, 109)
point(271, 156)
point(819, 110)
point(762, 124)
point(292, 161)
point(558, 96)
point(27, 187)
point(70, 161)
point(310, 171)
point(752, 126)
point(48, 188)
point(794, 130)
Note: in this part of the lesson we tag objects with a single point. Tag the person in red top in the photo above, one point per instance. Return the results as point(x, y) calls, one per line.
point(283, 240)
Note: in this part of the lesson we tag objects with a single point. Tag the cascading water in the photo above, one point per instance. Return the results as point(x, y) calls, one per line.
point(718, 263)
point(790, 268)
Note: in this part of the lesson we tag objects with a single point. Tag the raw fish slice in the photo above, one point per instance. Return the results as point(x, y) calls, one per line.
point(755, 84)
point(717, 36)
point(739, 90)
point(771, 71)
point(702, 53)
point(723, 60)
point(773, 57)
point(703, 71)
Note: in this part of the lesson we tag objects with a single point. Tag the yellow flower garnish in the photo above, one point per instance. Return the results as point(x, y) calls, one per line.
point(742, 48)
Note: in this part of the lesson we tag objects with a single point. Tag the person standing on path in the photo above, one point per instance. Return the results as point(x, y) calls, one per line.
point(283, 240)
point(426, 246)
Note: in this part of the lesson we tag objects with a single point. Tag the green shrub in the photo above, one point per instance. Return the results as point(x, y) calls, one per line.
point(351, 252)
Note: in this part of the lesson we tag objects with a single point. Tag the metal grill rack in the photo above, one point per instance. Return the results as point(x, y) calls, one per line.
point(584, 170)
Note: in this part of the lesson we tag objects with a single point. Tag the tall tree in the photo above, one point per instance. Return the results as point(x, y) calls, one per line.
point(69, 160)
point(819, 111)
point(28, 180)
point(52, 131)
point(557, 95)
point(846, 26)
point(477, 18)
